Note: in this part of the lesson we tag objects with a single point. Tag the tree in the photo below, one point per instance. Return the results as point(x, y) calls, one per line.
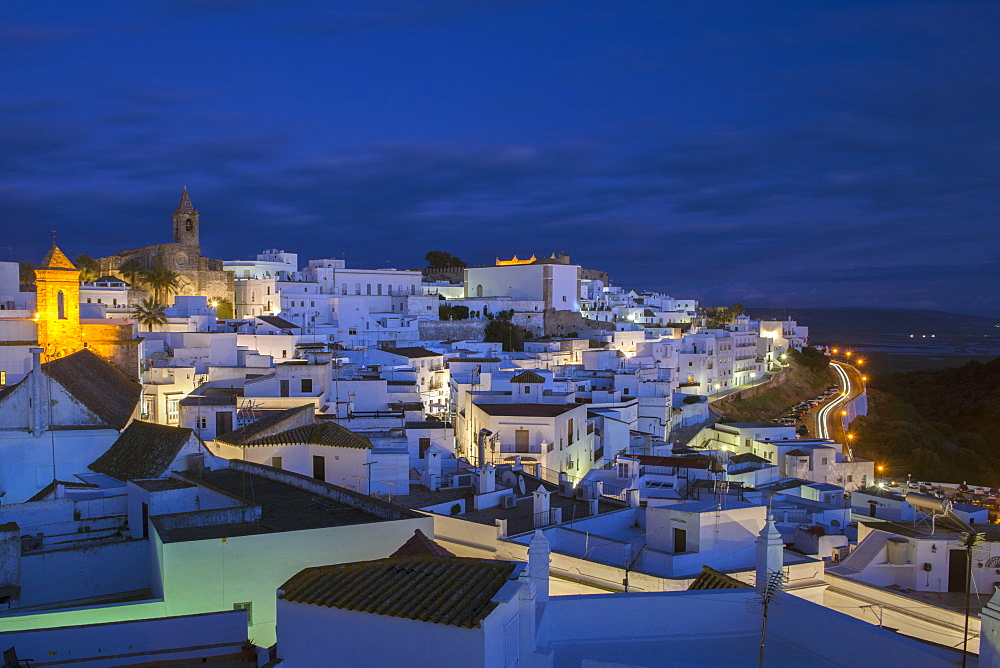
point(224, 309)
point(131, 271)
point(90, 271)
point(149, 313)
point(442, 260)
point(737, 310)
point(505, 332)
point(27, 276)
point(162, 282)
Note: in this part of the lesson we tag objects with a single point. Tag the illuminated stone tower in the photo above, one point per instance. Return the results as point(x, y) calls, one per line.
point(186, 222)
point(58, 308)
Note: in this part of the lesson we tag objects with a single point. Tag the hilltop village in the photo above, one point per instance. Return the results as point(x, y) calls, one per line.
point(278, 462)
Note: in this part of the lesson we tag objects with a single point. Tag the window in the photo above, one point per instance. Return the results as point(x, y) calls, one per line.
point(188, 225)
point(343, 288)
point(88, 300)
point(527, 389)
point(307, 385)
point(173, 410)
point(379, 286)
point(276, 462)
point(312, 303)
point(353, 331)
point(3, 377)
point(824, 461)
point(368, 288)
point(357, 288)
point(570, 431)
point(201, 422)
point(850, 478)
point(60, 305)
point(284, 353)
point(248, 606)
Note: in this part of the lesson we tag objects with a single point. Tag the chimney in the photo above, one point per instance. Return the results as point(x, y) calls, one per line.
point(486, 479)
point(770, 552)
point(432, 470)
point(38, 415)
point(538, 565)
point(481, 447)
point(541, 506)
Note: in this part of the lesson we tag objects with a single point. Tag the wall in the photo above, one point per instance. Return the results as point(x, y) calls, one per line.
point(208, 575)
point(442, 330)
point(27, 461)
point(134, 642)
point(312, 635)
point(51, 576)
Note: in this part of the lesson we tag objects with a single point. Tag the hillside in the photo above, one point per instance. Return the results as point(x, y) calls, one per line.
point(807, 375)
point(935, 424)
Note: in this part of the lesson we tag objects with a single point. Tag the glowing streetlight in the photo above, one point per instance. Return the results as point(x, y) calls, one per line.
point(836, 350)
point(850, 436)
point(879, 468)
point(859, 362)
point(864, 378)
point(848, 353)
point(214, 303)
point(843, 412)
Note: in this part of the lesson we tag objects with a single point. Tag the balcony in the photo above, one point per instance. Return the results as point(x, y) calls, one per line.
point(512, 448)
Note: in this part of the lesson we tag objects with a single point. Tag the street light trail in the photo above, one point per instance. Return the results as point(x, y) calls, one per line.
point(821, 418)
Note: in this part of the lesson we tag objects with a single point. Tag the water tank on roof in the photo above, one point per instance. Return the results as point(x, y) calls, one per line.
point(926, 503)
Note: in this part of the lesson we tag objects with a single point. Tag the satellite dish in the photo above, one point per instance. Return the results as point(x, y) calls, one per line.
point(520, 484)
point(509, 478)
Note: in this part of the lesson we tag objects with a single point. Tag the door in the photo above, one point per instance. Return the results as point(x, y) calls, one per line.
point(284, 388)
point(319, 467)
point(223, 423)
point(871, 508)
point(958, 562)
point(680, 540)
point(521, 440)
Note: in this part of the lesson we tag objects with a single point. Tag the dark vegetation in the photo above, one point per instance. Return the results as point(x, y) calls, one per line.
point(939, 425)
point(501, 330)
point(441, 260)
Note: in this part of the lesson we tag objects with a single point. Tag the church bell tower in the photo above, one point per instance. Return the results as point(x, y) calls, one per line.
point(58, 306)
point(186, 222)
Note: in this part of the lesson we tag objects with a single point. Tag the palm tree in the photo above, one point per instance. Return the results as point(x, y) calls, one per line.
point(90, 270)
point(162, 282)
point(131, 271)
point(149, 313)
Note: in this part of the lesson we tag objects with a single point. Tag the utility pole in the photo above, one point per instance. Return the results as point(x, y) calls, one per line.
point(771, 591)
point(969, 541)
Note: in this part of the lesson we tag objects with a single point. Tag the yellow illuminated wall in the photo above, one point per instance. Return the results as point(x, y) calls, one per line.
point(58, 309)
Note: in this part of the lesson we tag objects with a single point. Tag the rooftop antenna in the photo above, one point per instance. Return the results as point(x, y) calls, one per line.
point(762, 602)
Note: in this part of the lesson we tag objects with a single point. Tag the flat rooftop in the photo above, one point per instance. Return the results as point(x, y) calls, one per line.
point(284, 507)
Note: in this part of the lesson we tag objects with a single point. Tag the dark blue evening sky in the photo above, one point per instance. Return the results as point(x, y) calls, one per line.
point(780, 154)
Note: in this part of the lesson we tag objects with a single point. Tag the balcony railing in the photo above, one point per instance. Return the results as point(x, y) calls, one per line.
point(521, 449)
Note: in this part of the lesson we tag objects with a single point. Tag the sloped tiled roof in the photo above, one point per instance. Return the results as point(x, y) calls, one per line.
point(275, 321)
point(527, 377)
point(526, 410)
point(444, 590)
point(56, 259)
point(796, 453)
point(413, 352)
point(419, 543)
point(325, 433)
point(244, 435)
point(709, 578)
point(747, 457)
point(144, 450)
point(98, 385)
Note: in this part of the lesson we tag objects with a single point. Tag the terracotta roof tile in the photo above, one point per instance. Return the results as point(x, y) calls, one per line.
point(144, 450)
point(270, 424)
point(323, 433)
point(99, 386)
point(413, 352)
point(709, 578)
point(527, 377)
point(443, 590)
point(419, 543)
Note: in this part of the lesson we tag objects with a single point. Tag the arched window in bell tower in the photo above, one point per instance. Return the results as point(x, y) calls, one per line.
point(188, 225)
point(60, 305)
